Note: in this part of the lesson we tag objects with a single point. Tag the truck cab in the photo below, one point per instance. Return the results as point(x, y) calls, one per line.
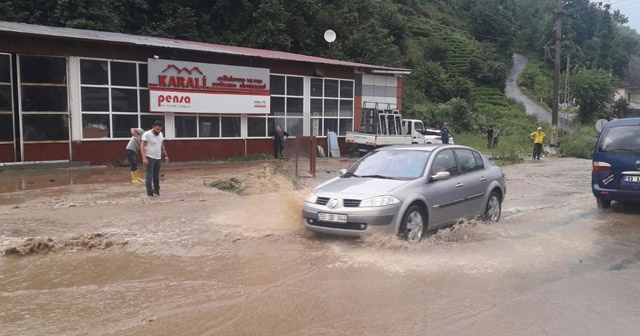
point(420, 134)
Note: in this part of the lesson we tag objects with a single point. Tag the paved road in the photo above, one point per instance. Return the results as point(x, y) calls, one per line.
point(513, 91)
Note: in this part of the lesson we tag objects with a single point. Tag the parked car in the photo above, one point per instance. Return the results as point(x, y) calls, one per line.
point(616, 163)
point(434, 136)
point(407, 190)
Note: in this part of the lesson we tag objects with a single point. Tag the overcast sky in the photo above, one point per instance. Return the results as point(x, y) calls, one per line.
point(630, 9)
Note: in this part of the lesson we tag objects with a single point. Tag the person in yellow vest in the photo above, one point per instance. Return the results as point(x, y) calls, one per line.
point(538, 138)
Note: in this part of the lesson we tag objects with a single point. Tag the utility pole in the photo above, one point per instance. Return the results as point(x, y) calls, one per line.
point(556, 74)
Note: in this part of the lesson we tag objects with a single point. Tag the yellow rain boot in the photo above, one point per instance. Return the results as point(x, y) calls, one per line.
point(134, 177)
point(138, 178)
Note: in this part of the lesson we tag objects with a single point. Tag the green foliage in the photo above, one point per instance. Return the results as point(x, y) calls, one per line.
point(578, 144)
point(593, 90)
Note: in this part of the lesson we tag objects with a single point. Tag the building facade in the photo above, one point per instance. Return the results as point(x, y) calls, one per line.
point(73, 95)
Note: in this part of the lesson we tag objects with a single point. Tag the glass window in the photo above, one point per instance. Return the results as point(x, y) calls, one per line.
point(316, 87)
point(257, 126)
point(147, 120)
point(122, 124)
point(124, 100)
point(276, 85)
point(45, 127)
point(294, 106)
point(95, 99)
point(186, 126)
point(346, 108)
point(294, 126)
point(6, 103)
point(144, 100)
point(6, 127)
point(40, 69)
point(44, 98)
point(346, 125)
point(94, 72)
point(467, 160)
point(230, 127)
point(316, 107)
point(335, 102)
point(209, 127)
point(330, 107)
point(143, 76)
point(112, 88)
point(5, 69)
point(123, 74)
point(346, 89)
point(295, 86)
point(330, 125)
point(444, 161)
point(95, 125)
point(331, 88)
point(277, 106)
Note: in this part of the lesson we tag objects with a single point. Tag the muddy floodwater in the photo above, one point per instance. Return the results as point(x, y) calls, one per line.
point(87, 253)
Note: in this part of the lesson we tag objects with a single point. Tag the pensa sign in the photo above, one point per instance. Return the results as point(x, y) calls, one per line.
point(177, 86)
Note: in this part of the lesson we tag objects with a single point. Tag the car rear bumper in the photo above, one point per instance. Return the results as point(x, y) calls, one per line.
point(615, 194)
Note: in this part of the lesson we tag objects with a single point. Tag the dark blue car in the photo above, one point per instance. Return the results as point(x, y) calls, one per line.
point(616, 163)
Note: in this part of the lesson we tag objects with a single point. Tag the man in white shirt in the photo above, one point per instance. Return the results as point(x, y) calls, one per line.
point(152, 148)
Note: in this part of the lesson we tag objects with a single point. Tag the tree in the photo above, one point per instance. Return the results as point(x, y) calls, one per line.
point(593, 91)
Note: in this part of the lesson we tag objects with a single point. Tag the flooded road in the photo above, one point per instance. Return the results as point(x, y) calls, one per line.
point(104, 259)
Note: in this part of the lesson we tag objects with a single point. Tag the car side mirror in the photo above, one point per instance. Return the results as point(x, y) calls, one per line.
point(343, 171)
point(440, 176)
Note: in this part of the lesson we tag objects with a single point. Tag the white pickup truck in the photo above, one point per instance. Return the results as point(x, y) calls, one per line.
point(385, 126)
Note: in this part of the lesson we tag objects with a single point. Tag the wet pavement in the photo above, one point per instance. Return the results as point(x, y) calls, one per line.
point(104, 259)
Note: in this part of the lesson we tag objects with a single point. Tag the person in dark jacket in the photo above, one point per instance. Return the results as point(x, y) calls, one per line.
point(490, 137)
point(279, 136)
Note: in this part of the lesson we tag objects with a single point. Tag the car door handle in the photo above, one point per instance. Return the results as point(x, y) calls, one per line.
point(459, 185)
point(483, 179)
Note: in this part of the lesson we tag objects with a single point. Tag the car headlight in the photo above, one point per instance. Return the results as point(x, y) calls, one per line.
point(311, 198)
point(379, 201)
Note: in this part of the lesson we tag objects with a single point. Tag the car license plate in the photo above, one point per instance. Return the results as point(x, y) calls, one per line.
point(336, 218)
point(632, 178)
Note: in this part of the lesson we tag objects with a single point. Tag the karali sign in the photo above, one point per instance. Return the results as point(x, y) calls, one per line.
point(177, 86)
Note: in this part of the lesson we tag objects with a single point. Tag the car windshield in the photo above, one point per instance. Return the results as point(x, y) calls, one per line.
point(391, 164)
point(621, 139)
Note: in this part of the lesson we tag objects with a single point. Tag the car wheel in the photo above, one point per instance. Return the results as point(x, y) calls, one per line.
point(603, 203)
point(493, 209)
point(414, 224)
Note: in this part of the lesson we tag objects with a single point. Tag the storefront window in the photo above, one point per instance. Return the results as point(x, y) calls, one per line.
point(230, 127)
point(147, 120)
point(186, 126)
point(45, 127)
point(257, 126)
point(122, 125)
point(6, 99)
point(209, 127)
point(111, 88)
point(332, 106)
point(43, 98)
point(95, 126)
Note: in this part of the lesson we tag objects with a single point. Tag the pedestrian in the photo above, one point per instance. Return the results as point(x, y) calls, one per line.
point(538, 138)
point(490, 137)
point(152, 148)
point(445, 133)
point(497, 133)
point(132, 149)
point(279, 136)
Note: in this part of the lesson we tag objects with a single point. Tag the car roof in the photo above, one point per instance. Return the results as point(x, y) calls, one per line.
point(623, 122)
point(416, 147)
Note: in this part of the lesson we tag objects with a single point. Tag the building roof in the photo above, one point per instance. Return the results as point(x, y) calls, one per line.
point(150, 41)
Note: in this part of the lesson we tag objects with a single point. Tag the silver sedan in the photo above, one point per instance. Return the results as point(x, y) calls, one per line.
point(406, 190)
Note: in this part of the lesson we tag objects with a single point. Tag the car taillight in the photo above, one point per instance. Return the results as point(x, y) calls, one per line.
point(599, 165)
